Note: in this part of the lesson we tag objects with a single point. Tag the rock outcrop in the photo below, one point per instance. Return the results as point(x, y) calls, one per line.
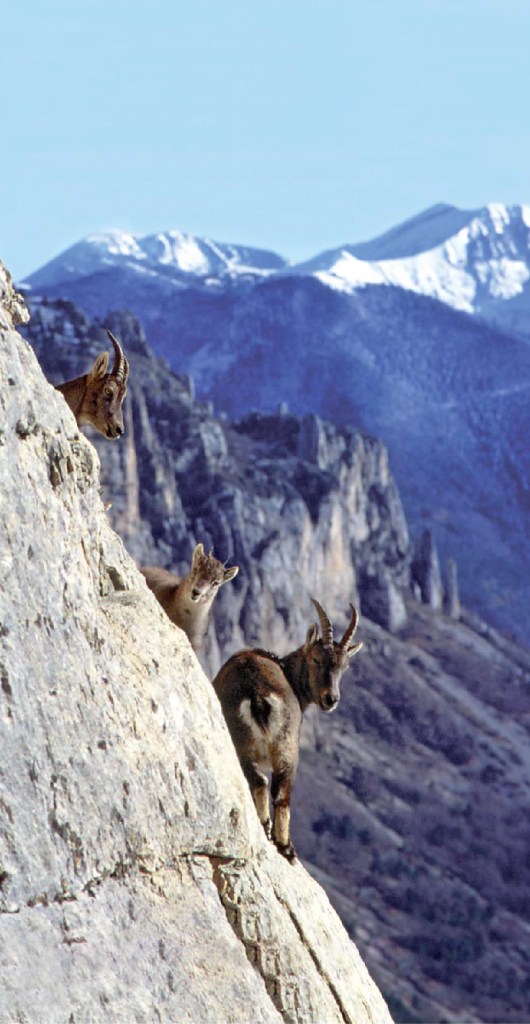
point(135, 880)
point(426, 571)
point(451, 593)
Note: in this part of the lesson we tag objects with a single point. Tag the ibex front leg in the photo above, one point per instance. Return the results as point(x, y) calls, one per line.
point(281, 785)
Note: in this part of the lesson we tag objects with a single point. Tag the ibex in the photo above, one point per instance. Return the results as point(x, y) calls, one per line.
point(97, 397)
point(187, 602)
point(264, 697)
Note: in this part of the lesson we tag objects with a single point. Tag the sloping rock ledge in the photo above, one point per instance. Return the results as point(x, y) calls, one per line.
point(135, 881)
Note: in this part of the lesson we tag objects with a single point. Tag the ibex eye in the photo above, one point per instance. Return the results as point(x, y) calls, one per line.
point(108, 392)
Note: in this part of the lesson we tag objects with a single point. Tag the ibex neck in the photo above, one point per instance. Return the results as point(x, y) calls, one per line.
point(74, 392)
point(194, 615)
point(296, 672)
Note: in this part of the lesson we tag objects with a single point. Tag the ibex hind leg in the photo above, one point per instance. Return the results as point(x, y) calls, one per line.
point(281, 786)
point(259, 787)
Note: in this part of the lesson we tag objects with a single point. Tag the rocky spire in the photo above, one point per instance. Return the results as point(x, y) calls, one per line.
point(451, 594)
point(426, 570)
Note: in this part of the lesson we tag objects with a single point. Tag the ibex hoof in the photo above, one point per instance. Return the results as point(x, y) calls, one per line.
point(287, 850)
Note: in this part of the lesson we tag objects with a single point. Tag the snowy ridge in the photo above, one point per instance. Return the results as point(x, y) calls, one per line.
point(486, 261)
point(169, 253)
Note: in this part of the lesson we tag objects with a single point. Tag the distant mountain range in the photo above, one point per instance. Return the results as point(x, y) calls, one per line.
point(477, 261)
point(419, 337)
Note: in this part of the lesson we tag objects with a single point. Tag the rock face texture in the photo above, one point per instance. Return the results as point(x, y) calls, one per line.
point(302, 507)
point(135, 880)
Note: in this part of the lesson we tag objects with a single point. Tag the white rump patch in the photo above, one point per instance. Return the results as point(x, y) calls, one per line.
point(261, 739)
point(245, 715)
point(275, 717)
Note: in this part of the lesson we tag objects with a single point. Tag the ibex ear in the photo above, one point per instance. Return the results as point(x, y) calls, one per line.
point(350, 651)
point(197, 554)
point(99, 368)
point(230, 573)
point(311, 636)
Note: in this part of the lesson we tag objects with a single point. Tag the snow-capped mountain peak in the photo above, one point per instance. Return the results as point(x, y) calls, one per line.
point(174, 254)
point(474, 260)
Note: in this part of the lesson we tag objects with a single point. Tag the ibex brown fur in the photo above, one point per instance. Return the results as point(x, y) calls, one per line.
point(264, 698)
point(188, 601)
point(97, 397)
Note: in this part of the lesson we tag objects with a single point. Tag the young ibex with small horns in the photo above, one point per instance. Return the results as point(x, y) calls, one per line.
point(97, 396)
point(264, 697)
point(187, 602)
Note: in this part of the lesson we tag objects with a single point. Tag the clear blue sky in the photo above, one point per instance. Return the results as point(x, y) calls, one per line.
point(295, 125)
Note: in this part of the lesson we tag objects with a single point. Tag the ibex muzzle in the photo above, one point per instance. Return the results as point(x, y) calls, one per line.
point(97, 396)
point(263, 699)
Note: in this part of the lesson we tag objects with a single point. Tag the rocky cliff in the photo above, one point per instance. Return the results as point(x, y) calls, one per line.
point(411, 801)
point(135, 881)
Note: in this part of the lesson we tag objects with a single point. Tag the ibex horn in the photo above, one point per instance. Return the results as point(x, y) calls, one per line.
point(351, 628)
point(120, 370)
point(327, 628)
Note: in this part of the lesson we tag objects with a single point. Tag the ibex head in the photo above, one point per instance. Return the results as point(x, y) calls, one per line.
point(207, 574)
point(327, 660)
point(102, 404)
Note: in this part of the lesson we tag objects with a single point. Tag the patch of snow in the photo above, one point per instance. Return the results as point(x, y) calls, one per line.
point(432, 274)
point(356, 272)
point(187, 254)
point(503, 278)
point(499, 216)
point(117, 243)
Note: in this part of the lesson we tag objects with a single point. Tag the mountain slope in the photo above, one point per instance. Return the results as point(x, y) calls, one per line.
point(449, 396)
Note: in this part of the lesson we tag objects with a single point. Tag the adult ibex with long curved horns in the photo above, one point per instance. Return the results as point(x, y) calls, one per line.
point(97, 396)
point(264, 697)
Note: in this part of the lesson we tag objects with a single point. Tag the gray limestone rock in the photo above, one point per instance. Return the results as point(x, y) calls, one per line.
point(382, 601)
point(135, 880)
point(13, 309)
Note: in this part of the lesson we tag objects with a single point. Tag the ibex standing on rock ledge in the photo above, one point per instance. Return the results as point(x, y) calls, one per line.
point(264, 697)
point(187, 602)
point(97, 397)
